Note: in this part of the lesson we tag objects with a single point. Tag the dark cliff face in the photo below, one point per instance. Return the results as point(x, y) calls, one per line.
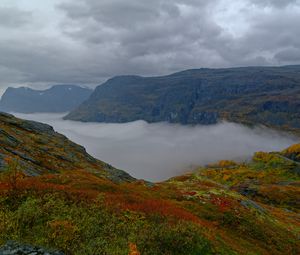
point(38, 149)
point(59, 98)
point(265, 95)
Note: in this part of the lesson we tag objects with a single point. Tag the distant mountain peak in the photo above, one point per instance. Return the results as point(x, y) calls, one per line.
point(58, 98)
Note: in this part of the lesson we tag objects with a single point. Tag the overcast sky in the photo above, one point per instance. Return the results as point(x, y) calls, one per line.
point(88, 41)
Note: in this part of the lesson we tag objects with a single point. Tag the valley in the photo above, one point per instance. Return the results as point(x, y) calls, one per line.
point(166, 127)
point(64, 199)
point(159, 151)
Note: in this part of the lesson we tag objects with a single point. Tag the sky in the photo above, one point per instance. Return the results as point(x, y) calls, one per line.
point(88, 41)
point(159, 151)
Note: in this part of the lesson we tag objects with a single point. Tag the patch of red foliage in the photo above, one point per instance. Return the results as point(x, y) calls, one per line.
point(182, 178)
point(190, 193)
point(150, 206)
point(223, 203)
point(46, 183)
point(82, 186)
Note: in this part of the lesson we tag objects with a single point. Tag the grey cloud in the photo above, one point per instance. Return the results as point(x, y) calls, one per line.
point(46, 62)
point(129, 14)
point(147, 34)
point(269, 34)
point(13, 17)
point(94, 40)
point(137, 22)
point(288, 55)
point(36, 62)
point(275, 3)
point(174, 32)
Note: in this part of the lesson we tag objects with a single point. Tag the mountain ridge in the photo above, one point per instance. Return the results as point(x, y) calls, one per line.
point(58, 98)
point(249, 95)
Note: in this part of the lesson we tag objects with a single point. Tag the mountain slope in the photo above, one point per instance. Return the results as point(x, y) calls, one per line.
point(38, 149)
point(71, 202)
point(251, 95)
point(59, 98)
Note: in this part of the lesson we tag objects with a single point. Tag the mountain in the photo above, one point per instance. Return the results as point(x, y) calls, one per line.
point(250, 95)
point(54, 195)
point(59, 98)
point(38, 149)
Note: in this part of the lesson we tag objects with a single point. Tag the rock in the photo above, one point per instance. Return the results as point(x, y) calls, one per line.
point(28, 125)
point(36, 127)
point(204, 118)
point(117, 175)
point(252, 204)
point(22, 155)
point(6, 115)
point(8, 139)
point(13, 248)
point(2, 162)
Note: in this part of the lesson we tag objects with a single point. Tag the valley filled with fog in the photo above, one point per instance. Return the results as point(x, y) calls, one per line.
point(159, 151)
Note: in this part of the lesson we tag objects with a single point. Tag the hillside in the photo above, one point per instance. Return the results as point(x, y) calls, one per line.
point(37, 149)
point(54, 195)
point(59, 98)
point(250, 95)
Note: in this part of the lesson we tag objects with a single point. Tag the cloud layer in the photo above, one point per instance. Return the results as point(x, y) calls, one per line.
point(87, 41)
point(159, 151)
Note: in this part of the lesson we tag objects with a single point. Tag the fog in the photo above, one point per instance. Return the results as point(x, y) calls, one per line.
point(159, 151)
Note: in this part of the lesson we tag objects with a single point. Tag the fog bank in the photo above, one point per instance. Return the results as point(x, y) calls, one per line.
point(159, 151)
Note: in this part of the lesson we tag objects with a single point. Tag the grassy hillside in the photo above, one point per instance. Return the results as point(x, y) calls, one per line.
point(250, 95)
point(224, 208)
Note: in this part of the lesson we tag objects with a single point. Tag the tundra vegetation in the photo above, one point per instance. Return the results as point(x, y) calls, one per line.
point(78, 205)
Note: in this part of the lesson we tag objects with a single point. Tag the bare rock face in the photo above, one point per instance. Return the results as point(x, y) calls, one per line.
point(249, 95)
point(14, 248)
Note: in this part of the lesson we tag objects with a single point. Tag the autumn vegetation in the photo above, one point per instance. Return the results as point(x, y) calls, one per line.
point(223, 208)
point(205, 212)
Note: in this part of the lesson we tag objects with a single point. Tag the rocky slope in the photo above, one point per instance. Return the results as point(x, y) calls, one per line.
point(251, 95)
point(38, 149)
point(59, 98)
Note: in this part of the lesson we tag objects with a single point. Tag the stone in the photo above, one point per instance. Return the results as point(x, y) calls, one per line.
point(13, 248)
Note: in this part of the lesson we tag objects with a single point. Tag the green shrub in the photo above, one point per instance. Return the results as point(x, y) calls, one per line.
point(53, 222)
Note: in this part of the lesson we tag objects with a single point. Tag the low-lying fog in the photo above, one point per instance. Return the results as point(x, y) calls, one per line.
point(159, 151)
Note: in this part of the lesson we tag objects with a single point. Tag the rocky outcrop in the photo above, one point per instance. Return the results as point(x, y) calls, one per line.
point(39, 150)
point(14, 248)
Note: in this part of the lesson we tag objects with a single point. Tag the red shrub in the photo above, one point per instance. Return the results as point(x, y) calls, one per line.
point(223, 203)
point(150, 206)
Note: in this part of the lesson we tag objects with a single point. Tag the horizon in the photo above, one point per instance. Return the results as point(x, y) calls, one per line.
point(92, 87)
